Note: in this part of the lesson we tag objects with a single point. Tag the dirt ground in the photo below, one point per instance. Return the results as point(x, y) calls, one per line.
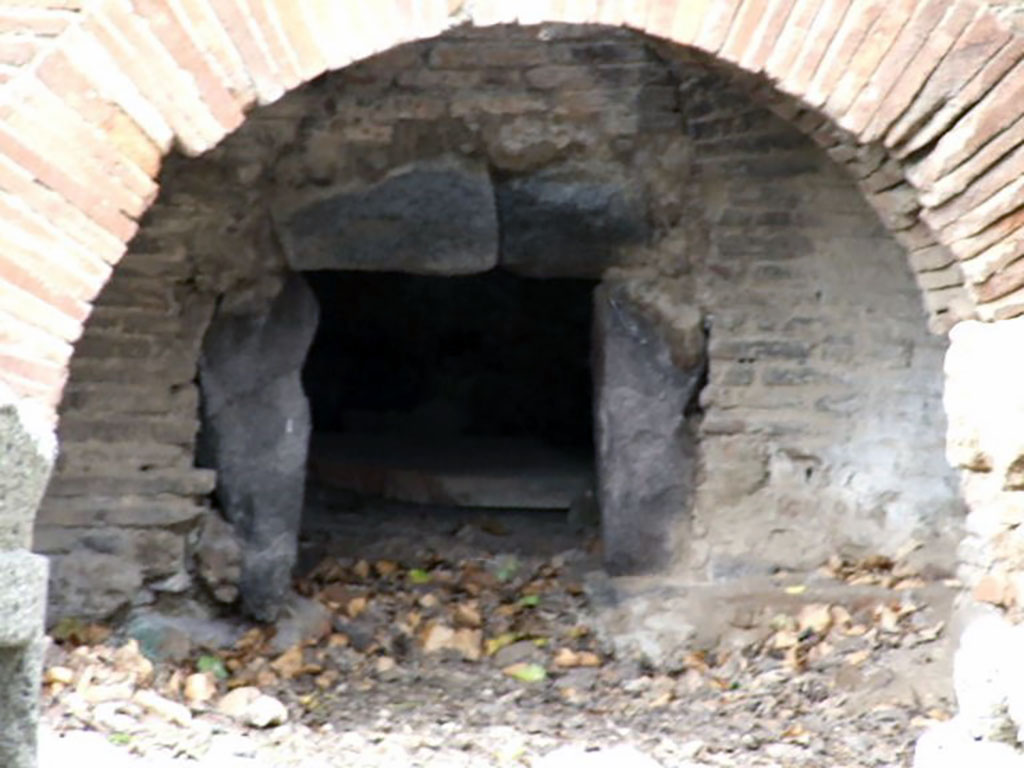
point(462, 638)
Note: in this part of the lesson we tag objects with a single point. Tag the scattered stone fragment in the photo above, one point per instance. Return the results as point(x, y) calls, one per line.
point(248, 705)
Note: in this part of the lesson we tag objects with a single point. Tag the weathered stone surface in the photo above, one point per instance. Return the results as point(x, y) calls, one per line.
point(257, 433)
point(219, 558)
point(20, 671)
point(91, 584)
point(22, 597)
point(26, 456)
point(570, 221)
point(649, 358)
point(429, 218)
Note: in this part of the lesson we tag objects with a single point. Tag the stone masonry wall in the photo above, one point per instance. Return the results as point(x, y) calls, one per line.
point(822, 403)
point(823, 427)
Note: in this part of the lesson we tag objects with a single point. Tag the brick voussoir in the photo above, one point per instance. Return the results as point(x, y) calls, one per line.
point(54, 111)
point(869, 54)
point(60, 211)
point(971, 222)
point(225, 107)
point(853, 29)
point(715, 28)
point(262, 70)
point(997, 111)
point(768, 29)
point(218, 47)
point(271, 37)
point(791, 41)
point(915, 73)
point(904, 49)
point(970, 94)
point(814, 47)
point(52, 132)
point(296, 24)
point(160, 78)
point(63, 183)
point(132, 62)
point(981, 40)
point(74, 88)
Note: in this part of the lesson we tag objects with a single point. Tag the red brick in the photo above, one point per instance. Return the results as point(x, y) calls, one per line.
point(688, 20)
point(20, 302)
point(295, 21)
point(276, 46)
point(39, 106)
point(964, 95)
point(224, 106)
point(851, 33)
point(1006, 201)
point(767, 32)
point(574, 11)
point(988, 264)
point(42, 382)
point(916, 72)
point(744, 26)
point(18, 52)
point(798, 77)
point(58, 73)
point(1002, 150)
point(660, 14)
point(979, 190)
point(1006, 227)
point(217, 45)
point(39, 22)
point(22, 270)
point(903, 51)
point(119, 35)
point(793, 37)
point(869, 54)
point(260, 67)
point(993, 114)
point(76, 271)
point(717, 21)
point(58, 210)
point(62, 182)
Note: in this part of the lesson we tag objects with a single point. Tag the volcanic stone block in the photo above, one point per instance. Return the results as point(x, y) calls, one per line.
point(256, 433)
point(21, 669)
point(26, 458)
point(570, 222)
point(430, 218)
point(649, 350)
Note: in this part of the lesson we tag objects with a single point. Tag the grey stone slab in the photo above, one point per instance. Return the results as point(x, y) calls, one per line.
point(425, 218)
point(256, 434)
point(23, 578)
point(20, 673)
point(570, 222)
point(26, 459)
point(648, 363)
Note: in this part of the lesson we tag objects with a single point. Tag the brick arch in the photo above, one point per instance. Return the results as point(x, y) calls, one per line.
point(916, 101)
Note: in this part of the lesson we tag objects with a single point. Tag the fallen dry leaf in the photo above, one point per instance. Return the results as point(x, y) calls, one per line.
point(468, 615)
point(355, 606)
point(816, 617)
point(289, 664)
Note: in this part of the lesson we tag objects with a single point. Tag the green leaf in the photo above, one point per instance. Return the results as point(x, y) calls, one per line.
point(529, 600)
point(506, 569)
point(214, 665)
point(419, 576)
point(120, 739)
point(495, 644)
point(527, 673)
